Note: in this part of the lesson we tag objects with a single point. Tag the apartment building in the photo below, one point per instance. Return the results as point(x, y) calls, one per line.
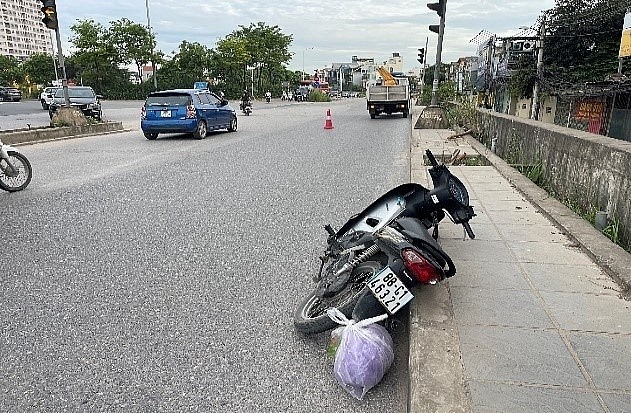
point(22, 32)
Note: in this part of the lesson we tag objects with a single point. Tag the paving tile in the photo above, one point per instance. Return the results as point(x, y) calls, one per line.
point(519, 308)
point(517, 217)
point(529, 232)
point(518, 356)
point(548, 252)
point(589, 312)
point(606, 359)
point(498, 397)
point(504, 195)
point(496, 275)
point(483, 231)
point(569, 277)
point(617, 402)
point(481, 250)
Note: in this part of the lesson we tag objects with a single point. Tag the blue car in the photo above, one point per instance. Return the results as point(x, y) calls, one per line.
point(186, 111)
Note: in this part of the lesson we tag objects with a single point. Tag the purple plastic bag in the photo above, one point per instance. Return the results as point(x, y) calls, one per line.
point(364, 355)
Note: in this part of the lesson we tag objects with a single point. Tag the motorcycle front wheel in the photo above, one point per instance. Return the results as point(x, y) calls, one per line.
point(11, 180)
point(311, 316)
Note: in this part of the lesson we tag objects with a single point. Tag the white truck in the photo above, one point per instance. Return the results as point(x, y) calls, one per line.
point(388, 94)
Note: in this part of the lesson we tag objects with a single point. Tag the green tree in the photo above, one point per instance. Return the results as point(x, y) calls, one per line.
point(133, 42)
point(259, 46)
point(228, 61)
point(10, 71)
point(582, 40)
point(96, 60)
point(522, 80)
point(269, 49)
point(40, 68)
point(191, 63)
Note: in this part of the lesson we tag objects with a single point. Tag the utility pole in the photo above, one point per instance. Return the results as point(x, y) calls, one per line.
point(54, 61)
point(534, 114)
point(51, 21)
point(153, 62)
point(64, 81)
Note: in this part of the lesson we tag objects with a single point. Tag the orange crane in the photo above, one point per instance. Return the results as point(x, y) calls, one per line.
point(388, 79)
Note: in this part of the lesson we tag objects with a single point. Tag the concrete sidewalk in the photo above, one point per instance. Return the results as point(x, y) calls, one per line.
point(530, 322)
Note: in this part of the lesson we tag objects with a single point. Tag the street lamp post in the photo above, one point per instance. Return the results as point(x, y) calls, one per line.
point(303, 60)
point(153, 63)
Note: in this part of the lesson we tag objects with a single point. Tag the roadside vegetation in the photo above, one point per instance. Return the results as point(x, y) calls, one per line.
point(251, 56)
point(318, 96)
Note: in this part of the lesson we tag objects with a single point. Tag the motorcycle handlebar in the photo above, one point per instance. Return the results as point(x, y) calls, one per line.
point(467, 228)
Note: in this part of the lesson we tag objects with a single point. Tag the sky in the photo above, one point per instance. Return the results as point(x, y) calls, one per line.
point(321, 35)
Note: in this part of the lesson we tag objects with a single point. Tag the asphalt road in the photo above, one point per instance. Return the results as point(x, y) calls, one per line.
point(162, 276)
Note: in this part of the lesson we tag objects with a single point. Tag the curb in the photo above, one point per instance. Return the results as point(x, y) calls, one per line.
point(65, 132)
point(436, 380)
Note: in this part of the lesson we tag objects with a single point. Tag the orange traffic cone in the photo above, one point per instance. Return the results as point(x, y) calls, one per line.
point(328, 124)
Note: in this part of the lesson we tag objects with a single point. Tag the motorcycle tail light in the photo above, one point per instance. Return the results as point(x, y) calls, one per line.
point(190, 112)
point(422, 270)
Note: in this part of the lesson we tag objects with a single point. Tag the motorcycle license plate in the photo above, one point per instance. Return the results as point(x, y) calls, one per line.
point(165, 114)
point(389, 290)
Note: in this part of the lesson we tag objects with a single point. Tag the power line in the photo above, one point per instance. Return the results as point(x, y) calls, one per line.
point(570, 36)
point(592, 15)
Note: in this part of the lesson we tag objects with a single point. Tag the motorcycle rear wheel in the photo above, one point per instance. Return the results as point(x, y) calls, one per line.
point(311, 317)
point(19, 181)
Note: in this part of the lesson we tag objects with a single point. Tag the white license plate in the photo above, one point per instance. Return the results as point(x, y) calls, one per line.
point(389, 290)
point(165, 114)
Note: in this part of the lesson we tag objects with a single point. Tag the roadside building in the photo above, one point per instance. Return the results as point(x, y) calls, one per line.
point(22, 32)
point(602, 107)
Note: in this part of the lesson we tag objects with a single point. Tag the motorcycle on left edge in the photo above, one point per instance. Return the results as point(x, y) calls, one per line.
point(15, 169)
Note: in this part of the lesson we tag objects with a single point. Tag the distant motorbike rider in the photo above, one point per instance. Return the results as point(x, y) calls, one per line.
point(245, 99)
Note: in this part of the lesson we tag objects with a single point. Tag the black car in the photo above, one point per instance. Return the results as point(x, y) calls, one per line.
point(81, 97)
point(10, 94)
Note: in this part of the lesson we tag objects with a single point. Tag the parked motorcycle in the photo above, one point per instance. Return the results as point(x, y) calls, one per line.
point(15, 169)
point(371, 263)
point(246, 108)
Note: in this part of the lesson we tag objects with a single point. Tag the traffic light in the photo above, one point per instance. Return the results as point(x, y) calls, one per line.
point(421, 55)
point(438, 7)
point(50, 14)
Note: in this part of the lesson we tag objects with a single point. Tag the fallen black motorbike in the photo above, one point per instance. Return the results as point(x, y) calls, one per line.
point(371, 263)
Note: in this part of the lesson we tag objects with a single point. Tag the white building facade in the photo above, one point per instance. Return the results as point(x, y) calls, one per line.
point(22, 32)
